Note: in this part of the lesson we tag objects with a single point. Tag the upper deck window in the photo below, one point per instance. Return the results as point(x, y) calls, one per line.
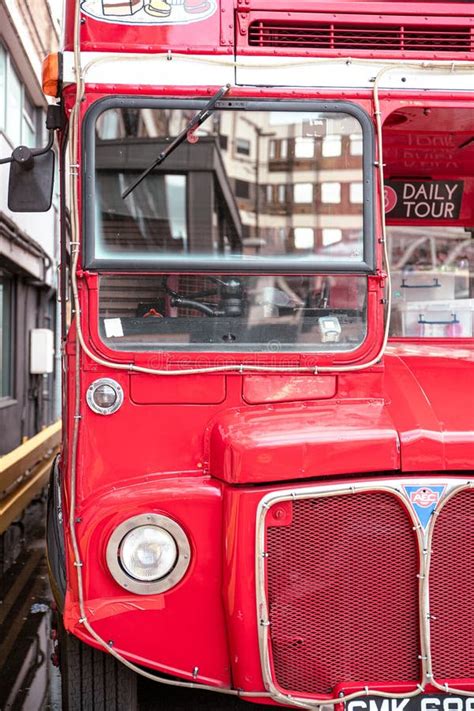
point(207, 209)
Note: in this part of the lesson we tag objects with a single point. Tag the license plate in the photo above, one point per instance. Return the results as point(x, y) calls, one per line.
point(422, 702)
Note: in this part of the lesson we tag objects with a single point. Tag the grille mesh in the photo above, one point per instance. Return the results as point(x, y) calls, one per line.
point(342, 593)
point(352, 37)
point(451, 589)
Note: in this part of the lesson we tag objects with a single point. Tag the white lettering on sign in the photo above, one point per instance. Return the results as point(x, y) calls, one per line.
point(424, 200)
point(453, 704)
point(431, 141)
point(384, 705)
point(423, 703)
point(428, 191)
point(428, 704)
point(399, 704)
point(357, 705)
point(428, 159)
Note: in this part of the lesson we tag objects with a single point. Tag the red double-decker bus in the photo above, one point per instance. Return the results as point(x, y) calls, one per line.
point(265, 486)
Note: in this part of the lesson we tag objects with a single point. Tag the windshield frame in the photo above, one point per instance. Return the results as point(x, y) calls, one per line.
point(225, 265)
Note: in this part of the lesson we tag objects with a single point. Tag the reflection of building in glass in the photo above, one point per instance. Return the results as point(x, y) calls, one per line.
point(297, 190)
point(187, 207)
point(296, 177)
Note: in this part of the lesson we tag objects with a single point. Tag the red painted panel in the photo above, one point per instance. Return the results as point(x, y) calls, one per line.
point(138, 440)
point(322, 33)
point(163, 631)
point(150, 25)
point(430, 396)
point(292, 442)
point(409, 7)
point(177, 389)
point(258, 389)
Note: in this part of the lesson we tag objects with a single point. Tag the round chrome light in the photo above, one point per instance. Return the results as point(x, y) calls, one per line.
point(148, 554)
point(104, 396)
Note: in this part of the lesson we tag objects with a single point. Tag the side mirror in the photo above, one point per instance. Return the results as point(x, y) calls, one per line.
point(30, 187)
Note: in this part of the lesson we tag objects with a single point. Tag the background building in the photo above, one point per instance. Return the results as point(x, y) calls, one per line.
point(28, 242)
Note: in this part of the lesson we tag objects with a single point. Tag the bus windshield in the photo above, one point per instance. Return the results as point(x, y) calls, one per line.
point(241, 235)
point(246, 188)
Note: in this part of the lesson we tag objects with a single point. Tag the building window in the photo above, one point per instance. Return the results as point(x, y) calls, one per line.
point(28, 129)
point(304, 237)
point(5, 336)
point(242, 146)
point(110, 125)
point(14, 109)
point(304, 147)
point(3, 87)
point(282, 194)
point(242, 189)
point(223, 142)
point(246, 232)
point(332, 146)
point(19, 122)
point(331, 235)
point(331, 192)
point(269, 193)
point(303, 192)
point(356, 193)
point(355, 145)
point(278, 149)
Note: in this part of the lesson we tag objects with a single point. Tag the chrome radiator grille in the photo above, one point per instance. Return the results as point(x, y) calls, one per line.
point(342, 592)
point(363, 587)
point(451, 589)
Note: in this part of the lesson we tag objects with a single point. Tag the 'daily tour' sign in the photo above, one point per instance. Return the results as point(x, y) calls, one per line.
point(423, 199)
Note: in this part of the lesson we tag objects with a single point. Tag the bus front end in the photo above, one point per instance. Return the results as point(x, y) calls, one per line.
point(265, 487)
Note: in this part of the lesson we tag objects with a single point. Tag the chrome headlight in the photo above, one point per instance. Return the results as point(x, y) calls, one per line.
point(104, 396)
point(148, 554)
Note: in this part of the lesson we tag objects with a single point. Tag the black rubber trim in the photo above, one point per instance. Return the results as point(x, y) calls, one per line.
point(55, 549)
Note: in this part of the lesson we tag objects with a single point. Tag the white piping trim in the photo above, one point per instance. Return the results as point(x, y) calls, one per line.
point(172, 69)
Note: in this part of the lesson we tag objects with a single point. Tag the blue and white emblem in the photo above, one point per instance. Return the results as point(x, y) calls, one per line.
point(424, 500)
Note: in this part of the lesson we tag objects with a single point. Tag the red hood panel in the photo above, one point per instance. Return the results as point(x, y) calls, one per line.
point(425, 422)
point(302, 441)
point(430, 398)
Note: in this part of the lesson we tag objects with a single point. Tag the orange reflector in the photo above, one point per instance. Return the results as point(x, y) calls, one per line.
point(51, 75)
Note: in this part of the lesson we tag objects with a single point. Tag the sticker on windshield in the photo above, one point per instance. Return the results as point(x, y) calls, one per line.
point(149, 12)
point(424, 500)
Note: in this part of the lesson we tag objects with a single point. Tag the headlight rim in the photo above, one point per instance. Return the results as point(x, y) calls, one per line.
point(104, 410)
point(163, 584)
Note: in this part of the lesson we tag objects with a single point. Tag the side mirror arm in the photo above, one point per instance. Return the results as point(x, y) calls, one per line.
point(25, 156)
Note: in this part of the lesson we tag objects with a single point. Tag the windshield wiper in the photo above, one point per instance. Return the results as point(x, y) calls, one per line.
point(195, 122)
